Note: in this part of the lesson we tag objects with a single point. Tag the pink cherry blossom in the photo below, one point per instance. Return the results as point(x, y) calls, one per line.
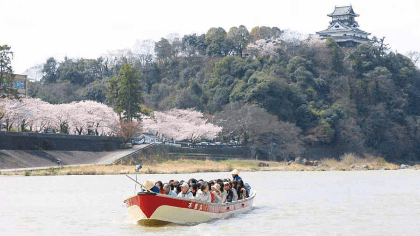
point(80, 116)
point(179, 124)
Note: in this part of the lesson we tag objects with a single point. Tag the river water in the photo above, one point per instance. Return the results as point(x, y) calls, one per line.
point(287, 203)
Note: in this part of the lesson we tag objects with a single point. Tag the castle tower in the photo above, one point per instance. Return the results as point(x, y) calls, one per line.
point(344, 28)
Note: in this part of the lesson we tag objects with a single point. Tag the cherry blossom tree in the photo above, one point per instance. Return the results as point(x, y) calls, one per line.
point(264, 47)
point(179, 124)
point(89, 117)
point(75, 117)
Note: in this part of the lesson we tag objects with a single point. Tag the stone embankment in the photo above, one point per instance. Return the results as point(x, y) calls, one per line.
point(16, 159)
point(12, 159)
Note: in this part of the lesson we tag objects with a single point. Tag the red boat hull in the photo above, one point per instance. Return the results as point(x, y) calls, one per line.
point(151, 207)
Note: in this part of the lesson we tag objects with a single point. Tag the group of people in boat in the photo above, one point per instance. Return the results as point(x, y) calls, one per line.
point(213, 191)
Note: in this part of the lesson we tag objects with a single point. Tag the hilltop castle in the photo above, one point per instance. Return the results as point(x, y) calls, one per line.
point(344, 28)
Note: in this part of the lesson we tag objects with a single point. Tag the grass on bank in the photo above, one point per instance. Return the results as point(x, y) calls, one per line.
point(348, 162)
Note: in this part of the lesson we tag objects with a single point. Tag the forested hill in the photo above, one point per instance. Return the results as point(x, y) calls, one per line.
point(282, 93)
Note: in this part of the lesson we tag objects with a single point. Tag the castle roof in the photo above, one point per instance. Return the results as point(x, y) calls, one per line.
point(345, 10)
point(342, 28)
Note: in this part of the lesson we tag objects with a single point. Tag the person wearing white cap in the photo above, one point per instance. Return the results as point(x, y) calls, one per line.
point(185, 193)
point(235, 175)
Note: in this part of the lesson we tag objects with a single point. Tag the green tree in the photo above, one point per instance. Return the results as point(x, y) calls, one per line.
point(163, 49)
point(72, 71)
point(240, 37)
point(336, 57)
point(124, 92)
point(364, 58)
point(50, 71)
point(274, 95)
point(264, 32)
point(95, 91)
point(189, 44)
point(193, 44)
point(6, 72)
point(215, 39)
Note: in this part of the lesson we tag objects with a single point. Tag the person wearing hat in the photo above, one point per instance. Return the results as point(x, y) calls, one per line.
point(149, 184)
point(185, 193)
point(235, 175)
point(216, 193)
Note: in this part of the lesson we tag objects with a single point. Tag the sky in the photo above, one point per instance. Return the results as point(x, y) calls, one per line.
point(37, 30)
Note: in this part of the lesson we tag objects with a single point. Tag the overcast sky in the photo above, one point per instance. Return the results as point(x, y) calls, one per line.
point(38, 29)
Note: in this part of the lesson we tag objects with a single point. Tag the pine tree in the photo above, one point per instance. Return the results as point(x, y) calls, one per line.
point(125, 93)
point(6, 72)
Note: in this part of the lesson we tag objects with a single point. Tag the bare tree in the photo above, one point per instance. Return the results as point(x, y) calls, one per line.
point(414, 56)
point(292, 41)
point(127, 130)
point(144, 51)
point(350, 135)
point(172, 37)
point(261, 130)
point(35, 72)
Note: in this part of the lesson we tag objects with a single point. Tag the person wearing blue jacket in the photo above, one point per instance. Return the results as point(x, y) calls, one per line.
point(235, 175)
point(150, 185)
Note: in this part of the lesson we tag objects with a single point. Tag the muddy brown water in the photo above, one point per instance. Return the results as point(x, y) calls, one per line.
point(287, 203)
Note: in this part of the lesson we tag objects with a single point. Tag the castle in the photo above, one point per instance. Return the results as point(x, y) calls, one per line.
point(344, 29)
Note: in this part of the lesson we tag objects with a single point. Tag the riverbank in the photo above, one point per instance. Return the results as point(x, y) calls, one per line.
point(194, 166)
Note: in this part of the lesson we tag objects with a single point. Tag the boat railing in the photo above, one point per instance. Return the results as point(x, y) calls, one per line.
point(253, 193)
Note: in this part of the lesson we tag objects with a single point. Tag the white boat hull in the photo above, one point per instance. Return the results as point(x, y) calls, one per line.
point(151, 208)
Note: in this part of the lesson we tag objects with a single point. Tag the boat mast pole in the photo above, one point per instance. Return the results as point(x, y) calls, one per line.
point(138, 167)
point(139, 183)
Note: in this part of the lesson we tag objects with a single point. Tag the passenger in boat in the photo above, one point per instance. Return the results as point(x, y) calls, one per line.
point(149, 184)
point(203, 194)
point(234, 184)
point(210, 183)
point(216, 194)
point(235, 175)
point(167, 190)
point(160, 186)
point(192, 181)
point(184, 192)
point(223, 193)
point(175, 188)
point(241, 190)
point(231, 194)
point(193, 189)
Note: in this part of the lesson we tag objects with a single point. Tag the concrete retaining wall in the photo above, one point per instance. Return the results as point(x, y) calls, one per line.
point(36, 141)
point(156, 152)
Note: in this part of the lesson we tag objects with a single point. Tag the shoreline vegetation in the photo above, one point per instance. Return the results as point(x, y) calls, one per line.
point(349, 162)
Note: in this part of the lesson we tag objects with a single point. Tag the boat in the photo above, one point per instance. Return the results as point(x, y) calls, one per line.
point(153, 209)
